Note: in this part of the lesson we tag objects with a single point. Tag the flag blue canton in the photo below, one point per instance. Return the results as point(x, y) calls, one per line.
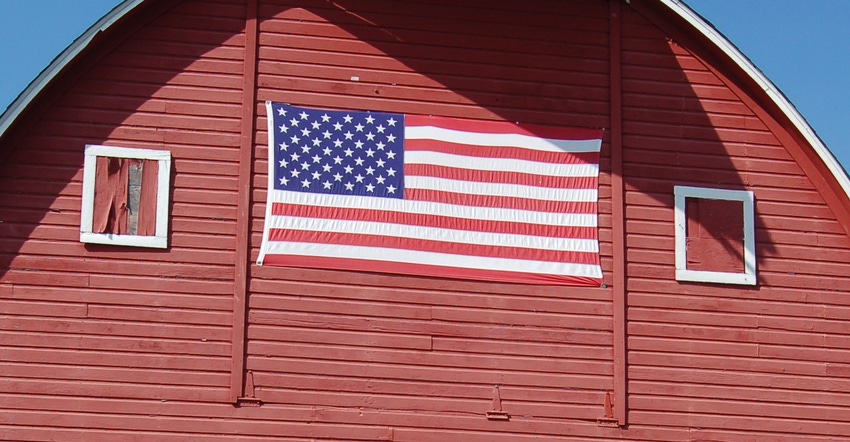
point(341, 153)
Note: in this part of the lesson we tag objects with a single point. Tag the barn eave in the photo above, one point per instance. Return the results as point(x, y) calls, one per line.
point(58, 65)
point(708, 31)
point(677, 7)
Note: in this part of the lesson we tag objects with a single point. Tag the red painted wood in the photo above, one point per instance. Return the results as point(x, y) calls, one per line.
point(620, 303)
point(715, 235)
point(246, 149)
point(102, 343)
point(695, 329)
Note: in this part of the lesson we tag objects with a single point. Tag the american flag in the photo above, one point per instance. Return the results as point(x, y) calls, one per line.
point(431, 196)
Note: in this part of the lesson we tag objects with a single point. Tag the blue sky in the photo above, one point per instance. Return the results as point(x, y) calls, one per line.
point(803, 46)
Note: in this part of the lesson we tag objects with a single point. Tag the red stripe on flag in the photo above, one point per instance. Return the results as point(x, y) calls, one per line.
point(369, 266)
point(435, 221)
point(422, 245)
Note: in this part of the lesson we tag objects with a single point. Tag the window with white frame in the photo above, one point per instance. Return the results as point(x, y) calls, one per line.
point(125, 196)
point(715, 235)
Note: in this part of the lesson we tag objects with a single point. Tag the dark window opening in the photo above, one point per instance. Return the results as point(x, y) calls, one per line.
point(125, 193)
point(715, 235)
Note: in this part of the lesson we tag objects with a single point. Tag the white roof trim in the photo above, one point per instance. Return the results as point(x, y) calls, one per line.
point(769, 88)
point(58, 64)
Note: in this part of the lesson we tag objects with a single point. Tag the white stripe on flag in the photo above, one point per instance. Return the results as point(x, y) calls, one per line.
point(490, 139)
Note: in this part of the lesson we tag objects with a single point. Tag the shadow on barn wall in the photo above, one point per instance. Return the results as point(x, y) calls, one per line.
point(539, 63)
point(533, 63)
point(105, 97)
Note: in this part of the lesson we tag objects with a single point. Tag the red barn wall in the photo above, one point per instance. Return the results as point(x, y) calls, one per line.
point(421, 355)
point(732, 363)
point(102, 342)
point(95, 339)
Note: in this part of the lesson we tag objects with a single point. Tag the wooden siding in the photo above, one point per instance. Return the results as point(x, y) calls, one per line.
point(414, 348)
point(92, 335)
point(730, 363)
point(100, 343)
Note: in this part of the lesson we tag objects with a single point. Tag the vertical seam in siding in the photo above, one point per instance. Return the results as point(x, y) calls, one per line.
point(243, 244)
point(618, 222)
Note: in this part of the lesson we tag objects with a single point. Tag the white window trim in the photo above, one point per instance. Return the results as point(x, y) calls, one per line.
point(748, 277)
point(163, 158)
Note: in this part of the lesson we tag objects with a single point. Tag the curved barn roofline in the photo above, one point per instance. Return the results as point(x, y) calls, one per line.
point(784, 104)
point(677, 6)
point(46, 76)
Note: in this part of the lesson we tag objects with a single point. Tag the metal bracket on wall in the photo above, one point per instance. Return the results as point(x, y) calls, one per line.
point(608, 420)
point(249, 400)
point(496, 414)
